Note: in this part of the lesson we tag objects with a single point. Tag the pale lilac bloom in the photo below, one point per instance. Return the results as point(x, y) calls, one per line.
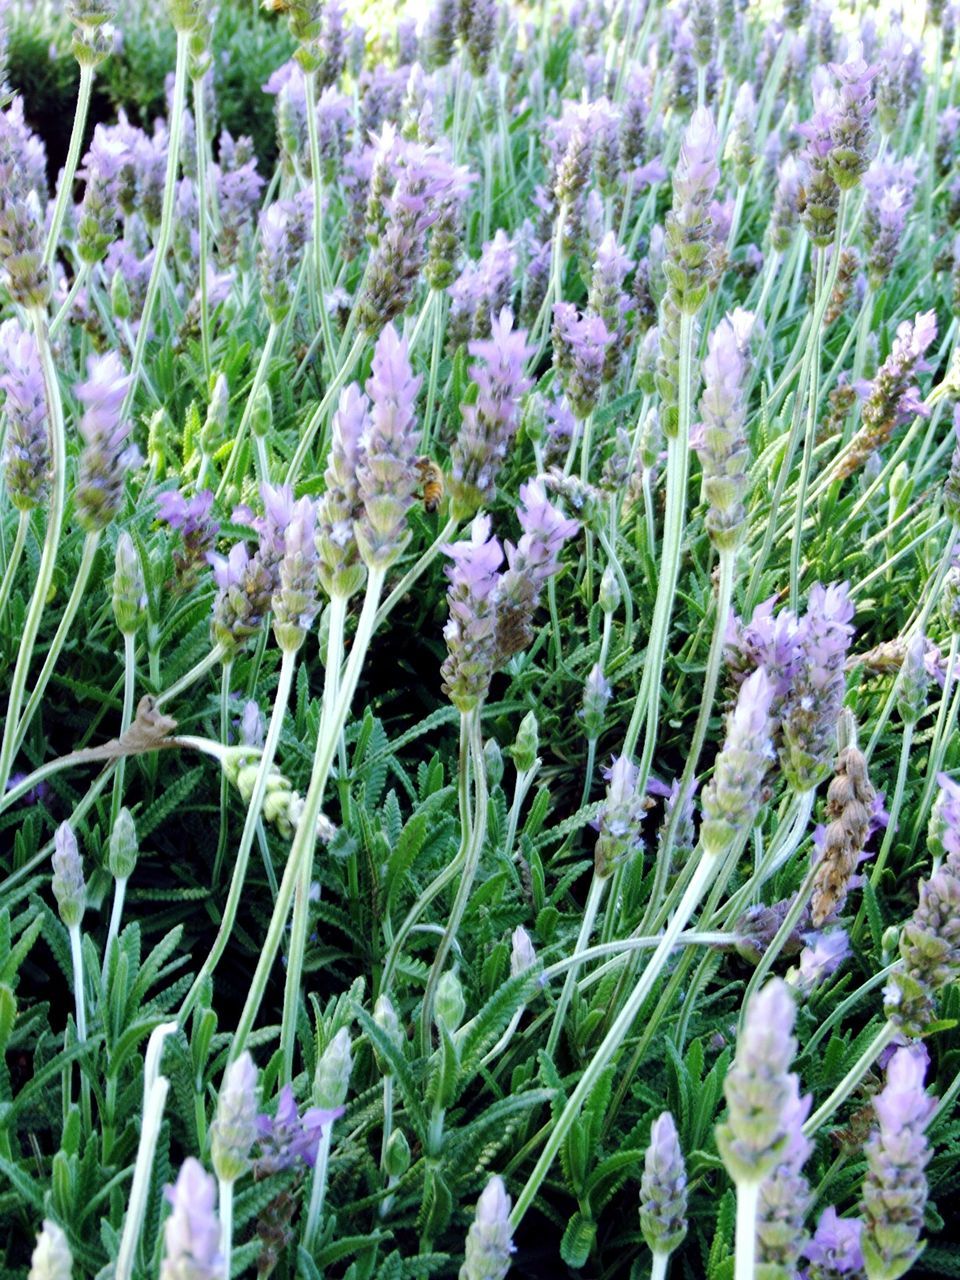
point(822, 955)
point(26, 451)
point(286, 1137)
point(834, 1250)
point(471, 629)
point(580, 345)
point(489, 1241)
point(663, 1188)
point(732, 796)
point(107, 454)
point(191, 1234)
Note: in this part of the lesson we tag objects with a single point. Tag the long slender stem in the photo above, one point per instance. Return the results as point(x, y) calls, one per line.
point(301, 900)
point(65, 189)
point(116, 915)
point(165, 233)
point(224, 829)
point(79, 280)
point(304, 840)
point(288, 665)
point(472, 849)
point(318, 1189)
point(203, 200)
point(16, 551)
point(225, 1206)
point(414, 572)
point(748, 1194)
point(853, 1077)
point(126, 719)
point(259, 378)
point(316, 173)
point(90, 545)
point(705, 870)
point(594, 898)
point(658, 1266)
point(76, 956)
point(808, 440)
point(316, 419)
point(48, 557)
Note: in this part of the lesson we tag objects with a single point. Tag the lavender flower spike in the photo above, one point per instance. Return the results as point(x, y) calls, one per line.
point(929, 951)
point(341, 570)
point(68, 885)
point(234, 1130)
point(663, 1189)
point(387, 473)
point(489, 424)
point(470, 632)
point(51, 1258)
point(759, 1087)
point(26, 454)
point(732, 797)
point(688, 225)
point(719, 438)
point(107, 455)
point(835, 1248)
point(895, 1187)
point(192, 1232)
point(296, 601)
point(489, 1243)
point(785, 1194)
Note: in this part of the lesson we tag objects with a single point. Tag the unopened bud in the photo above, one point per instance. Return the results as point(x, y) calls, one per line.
point(332, 1077)
point(120, 297)
point(234, 1130)
point(396, 1157)
point(489, 1243)
point(524, 749)
point(522, 954)
point(450, 1004)
point(68, 887)
point(610, 593)
point(493, 760)
point(912, 697)
point(261, 412)
point(212, 432)
point(51, 1258)
point(129, 593)
point(124, 847)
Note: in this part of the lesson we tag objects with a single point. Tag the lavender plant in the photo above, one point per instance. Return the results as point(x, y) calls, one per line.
point(479, 635)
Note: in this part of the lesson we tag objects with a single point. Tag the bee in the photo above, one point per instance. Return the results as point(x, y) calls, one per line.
point(275, 6)
point(431, 484)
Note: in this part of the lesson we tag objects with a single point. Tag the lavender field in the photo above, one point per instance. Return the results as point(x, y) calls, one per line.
point(479, 640)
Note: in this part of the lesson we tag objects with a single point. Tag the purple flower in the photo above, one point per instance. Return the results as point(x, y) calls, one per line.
point(239, 187)
point(277, 259)
point(287, 1137)
point(620, 818)
point(234, 1130)
point(491, 421)
point(929, 946)
point(470, 631)
point(489, 1243)
point(607, 299)
point(26, 460)
point(821, 192)
point(386, 473)
point(850, 124)
point(191, 1234)
point(97, 218)
point(296, 601)
point(68, 883)
point(245, 587)
point(822, 956)
point(579, 352)
point(719, 438)
point(107, 455)
point(812, 706)
point(481, 292)
point(834, 1249)
point(596, 695)
point(663, 1189)
point(732, 796)
point(886, 207)
point(761, 1092)
point(785, 1192)
point(341, 569)
point(783, 214)
point(895, 1186)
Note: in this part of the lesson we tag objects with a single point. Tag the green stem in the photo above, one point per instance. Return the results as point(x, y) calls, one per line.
point(79, 280)
point(301, 899)
point(288, 665)
point(414, 572)
point(129, 689)
point(76, 956)
point(116, 915)
point(658, 1266)
point(224, 782)
point(319, 256)
point(808, 441)
point(318, 1188)
point(884, 1036)
point(90, 545)
point(165, 233)
point(892, 823)
point(748, 1194)
point(65, 189)
point(472, 846)
point(200, 123)
point(594, 898)
point(705, 870)
point(316, 419)
point(938, 744)
point(259, 378)
point(521, 787)
point(16, 551)
point(225, 1206)
point(48, 557)
point(305, 837)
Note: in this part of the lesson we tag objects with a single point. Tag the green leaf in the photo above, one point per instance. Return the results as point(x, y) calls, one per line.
point(578, 1240)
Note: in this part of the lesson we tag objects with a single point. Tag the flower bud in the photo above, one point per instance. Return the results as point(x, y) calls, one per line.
point(68, 886)
point(234, 1130)
point(124, 846)
point(450, 1003)
point(610, 594)
point(120, 303)
point(396, 1157)
point(51, 1258)
point(912, 696)
point(663, 1189)
point(212, 432)
point(524, 749)
point(489, 1244)
point(522, 954)
point(332, 1077)
point(493, 760)
point(129, 594)
point(261, 412)
point(385, 1016)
